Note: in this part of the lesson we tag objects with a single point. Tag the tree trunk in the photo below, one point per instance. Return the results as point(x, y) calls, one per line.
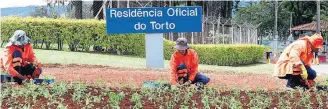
point(48, 44)
point(71, 47)
point(42, 43)
point(96, 6)
point(114, 4)
point(60, 45)
point(58, 42)
point(298, 13)
point(2, 43)
point(188, 3)
point(229, 11)
point(224, 8)
point(78, 9)
point(76, 43)
point(35, 44)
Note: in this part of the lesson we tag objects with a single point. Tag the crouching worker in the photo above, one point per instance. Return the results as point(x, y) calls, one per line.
point(294, 63)
point(184, 66)
point(19, 59)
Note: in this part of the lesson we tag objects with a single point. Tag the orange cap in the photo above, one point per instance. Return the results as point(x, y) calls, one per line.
point(316, 40)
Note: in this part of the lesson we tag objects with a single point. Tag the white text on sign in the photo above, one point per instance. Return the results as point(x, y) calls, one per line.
point(166, 25)
point(155, 26)
point(171, 12)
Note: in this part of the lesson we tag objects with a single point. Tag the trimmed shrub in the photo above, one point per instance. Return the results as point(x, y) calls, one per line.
point(80, 35)
point(225, 55)
point(128, 44)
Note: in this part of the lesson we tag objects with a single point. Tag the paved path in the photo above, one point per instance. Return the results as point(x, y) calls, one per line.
point(322, 69)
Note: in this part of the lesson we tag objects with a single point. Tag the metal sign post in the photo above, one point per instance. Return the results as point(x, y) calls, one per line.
point(154, 50)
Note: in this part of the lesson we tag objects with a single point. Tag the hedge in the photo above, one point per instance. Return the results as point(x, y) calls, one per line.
point(224, 55)
point(82, 34)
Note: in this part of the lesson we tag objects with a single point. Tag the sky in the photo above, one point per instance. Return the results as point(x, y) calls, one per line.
point(21, 3)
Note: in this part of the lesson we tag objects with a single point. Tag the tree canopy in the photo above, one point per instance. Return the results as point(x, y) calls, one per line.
point(264, 12)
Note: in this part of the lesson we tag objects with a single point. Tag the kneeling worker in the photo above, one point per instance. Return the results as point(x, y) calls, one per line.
point(19, 59)
point(294, 63)
point(184, 66)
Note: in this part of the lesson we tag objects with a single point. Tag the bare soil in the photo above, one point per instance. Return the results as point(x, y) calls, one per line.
point(117, 76)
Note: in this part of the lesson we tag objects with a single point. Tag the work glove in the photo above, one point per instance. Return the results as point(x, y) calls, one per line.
point(21, 77)
point(24, 79)
point(187, 83)
point(304, 72)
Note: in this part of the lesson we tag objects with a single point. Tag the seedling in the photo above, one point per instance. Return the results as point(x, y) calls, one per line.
point(136, 98)
point(115, 99)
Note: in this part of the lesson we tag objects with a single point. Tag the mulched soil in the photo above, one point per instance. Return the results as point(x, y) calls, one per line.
point(244, 98)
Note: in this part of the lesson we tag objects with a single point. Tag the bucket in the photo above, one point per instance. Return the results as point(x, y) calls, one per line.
point(154, 84)
point(40, 81)
point(5, 78)
point(322, 58)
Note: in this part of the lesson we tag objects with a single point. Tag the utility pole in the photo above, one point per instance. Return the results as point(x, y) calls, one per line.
point(291, 22)
point(318, 17)
point(118, 3)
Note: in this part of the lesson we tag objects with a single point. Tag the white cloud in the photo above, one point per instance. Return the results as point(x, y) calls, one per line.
point(21, 3)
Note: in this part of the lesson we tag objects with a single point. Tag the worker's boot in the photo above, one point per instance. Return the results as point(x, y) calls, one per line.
point(290, 85)
point(294, 82)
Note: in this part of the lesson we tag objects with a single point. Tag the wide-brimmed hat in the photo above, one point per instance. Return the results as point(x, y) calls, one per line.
point(19, 38)
point(181, 44)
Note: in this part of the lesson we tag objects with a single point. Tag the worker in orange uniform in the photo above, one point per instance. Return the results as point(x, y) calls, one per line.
point(19, 59)
point(184, 66)
point(294, 63)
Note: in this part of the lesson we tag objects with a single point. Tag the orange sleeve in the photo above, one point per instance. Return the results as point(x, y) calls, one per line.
point(194, 67)
point(31, 55)
point(308, 61)
point(299, 48)
point(294, 55)
point(174, 67)
point(13, 72)
point(8, 59)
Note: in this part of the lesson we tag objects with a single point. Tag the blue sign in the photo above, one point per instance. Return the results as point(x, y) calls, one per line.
point(154, 20)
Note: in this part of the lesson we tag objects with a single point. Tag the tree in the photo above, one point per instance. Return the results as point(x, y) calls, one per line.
point(304, 11)
point(263, 12)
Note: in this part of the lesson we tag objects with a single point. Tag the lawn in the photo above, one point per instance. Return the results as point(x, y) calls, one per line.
point(66, 57)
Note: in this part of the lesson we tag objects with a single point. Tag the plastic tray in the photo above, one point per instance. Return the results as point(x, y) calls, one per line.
point(153, 84)
point(5, 78)
point(40, 81)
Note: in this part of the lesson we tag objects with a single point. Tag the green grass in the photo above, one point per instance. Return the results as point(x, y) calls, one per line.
point(65, 57)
